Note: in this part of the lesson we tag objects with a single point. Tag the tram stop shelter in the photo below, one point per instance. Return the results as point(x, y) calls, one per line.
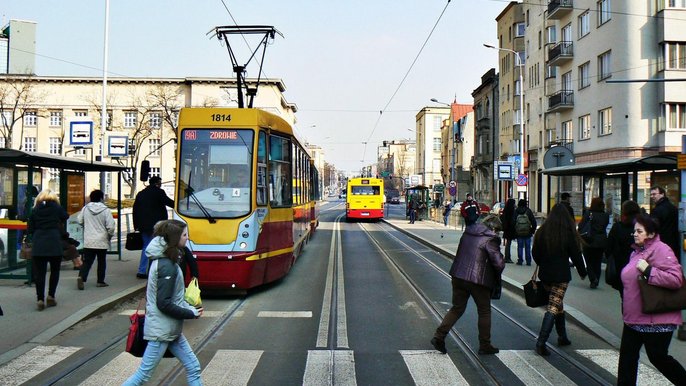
point(623, 179)
point(20, 170)
point(423, 196)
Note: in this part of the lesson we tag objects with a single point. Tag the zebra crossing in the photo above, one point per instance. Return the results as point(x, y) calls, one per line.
point(332, 367)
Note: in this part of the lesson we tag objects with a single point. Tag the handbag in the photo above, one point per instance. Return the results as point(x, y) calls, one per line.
point(657, 300)
point(535, 293)
point(192, 295)
point(497, 290)
point(585, 228)
point(25, 251)
point(611, 274)
point(134, 241)
point(135, 342)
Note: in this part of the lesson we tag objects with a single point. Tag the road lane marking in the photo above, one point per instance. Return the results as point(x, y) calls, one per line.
point(325, 318)
point(341, 314)
point(330, 367)
point(33, 362)
point(231, 367)
point(532, 369)
point(609, 360)
point(284, 314)
point(205, 314)
point(115, 372)
point(432, 368)
point(415, 307)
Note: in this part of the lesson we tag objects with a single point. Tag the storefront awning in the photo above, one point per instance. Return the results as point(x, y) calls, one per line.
point(16, 157)
point(624, 165)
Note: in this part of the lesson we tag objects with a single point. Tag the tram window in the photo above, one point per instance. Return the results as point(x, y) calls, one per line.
point(280, 193)
point(262, 169)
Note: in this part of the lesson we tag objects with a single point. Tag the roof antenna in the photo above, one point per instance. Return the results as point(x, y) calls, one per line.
point(223, 33)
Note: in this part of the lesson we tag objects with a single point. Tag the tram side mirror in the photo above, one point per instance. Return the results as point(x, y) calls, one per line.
point(145, 170)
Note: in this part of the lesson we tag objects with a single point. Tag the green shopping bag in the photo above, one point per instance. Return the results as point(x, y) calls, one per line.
point(192, 295)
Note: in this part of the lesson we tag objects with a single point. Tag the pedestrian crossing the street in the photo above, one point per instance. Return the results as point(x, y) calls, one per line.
point(333, 367)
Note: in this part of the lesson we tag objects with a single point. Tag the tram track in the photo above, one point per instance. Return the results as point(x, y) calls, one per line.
point(472, 356)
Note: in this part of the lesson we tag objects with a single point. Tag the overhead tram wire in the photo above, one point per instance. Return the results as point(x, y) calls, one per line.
point(376, 124)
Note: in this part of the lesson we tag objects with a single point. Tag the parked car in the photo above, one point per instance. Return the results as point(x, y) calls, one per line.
point(483, 207)
point(394, 200)
point(498, 208)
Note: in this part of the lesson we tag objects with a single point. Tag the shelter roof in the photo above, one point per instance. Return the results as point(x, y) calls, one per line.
point(18, 157)
point(624, 165)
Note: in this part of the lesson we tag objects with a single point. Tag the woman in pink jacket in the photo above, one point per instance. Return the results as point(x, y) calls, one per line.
point(655, 261)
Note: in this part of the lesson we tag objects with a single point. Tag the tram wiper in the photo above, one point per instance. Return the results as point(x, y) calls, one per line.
point(190, 192)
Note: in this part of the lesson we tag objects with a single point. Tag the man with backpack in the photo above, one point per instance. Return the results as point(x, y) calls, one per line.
point(524, 227)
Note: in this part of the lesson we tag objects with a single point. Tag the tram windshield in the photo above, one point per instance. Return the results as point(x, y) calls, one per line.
point(214, 173)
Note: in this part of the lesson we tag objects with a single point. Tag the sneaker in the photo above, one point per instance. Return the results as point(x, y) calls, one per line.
point(509, 261)
point(41, 305)
point(103, 284)
point(141, 276)
point(488, 350)
point(51, 301)
point(519, 263)
point(79, 283)
point(439, 345)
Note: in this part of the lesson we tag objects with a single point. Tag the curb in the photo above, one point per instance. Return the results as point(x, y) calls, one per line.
point(574, 315)
point(84, 313)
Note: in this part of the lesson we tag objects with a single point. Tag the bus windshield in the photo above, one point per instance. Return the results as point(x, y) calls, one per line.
point(365, 190)
point(215, 172)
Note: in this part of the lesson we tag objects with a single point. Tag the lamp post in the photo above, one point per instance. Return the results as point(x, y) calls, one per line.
point(103, 116)
point(518, 63)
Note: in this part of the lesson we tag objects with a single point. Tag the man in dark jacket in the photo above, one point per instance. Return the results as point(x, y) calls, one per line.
point(524, 227)
point(148, 209)
point(667, 216)
point(564, 200)
point(470, 210)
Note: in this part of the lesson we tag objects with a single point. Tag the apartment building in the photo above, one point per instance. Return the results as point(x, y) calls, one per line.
point(457, 153)
point(487, 188)
point(397, 160)
point(144, 110)
point(428, 124)
point(599, 103)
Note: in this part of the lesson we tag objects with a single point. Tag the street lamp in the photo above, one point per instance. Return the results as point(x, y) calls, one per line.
point(434, 100)
point(518, 63)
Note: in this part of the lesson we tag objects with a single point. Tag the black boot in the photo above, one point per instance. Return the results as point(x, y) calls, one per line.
point(561, 330)
point(546, 328)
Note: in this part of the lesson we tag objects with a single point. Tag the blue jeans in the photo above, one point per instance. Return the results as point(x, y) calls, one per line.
point(143, 266)
point(153, 354)
point(524, 242)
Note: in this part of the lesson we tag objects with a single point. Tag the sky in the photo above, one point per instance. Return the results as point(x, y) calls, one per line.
point(341, 62)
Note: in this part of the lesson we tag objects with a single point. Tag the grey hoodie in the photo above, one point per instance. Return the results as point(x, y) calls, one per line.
point(165, 308)
point(98, 225)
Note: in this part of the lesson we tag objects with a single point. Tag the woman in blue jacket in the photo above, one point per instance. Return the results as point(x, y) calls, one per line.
point(166, 308)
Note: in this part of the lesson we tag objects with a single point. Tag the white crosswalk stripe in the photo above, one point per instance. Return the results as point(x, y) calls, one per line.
point(32, 363)
point(609, 360)
point(330, 367)
point(115, 372)
point(231, 367)
point(532, 369)
point(432, 368)
point(205, 314)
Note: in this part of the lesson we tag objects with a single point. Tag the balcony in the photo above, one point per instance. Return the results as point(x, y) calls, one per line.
point(561, 100)
point(560, 53)
point(557, 9)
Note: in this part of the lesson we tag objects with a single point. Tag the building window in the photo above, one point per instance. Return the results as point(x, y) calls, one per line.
point(55, 118)
point(130, 119)
point(154, 147)
point(6, 118)
point(2, 142)
point(585, 127)
point(566, 81)
point(155, 120)
point(584, 24)
point(674, 115)
point(605, 121)
point(567, 131)
point(675, 55)
point(55, 146)
point(519, 30)
point(584, 75)
point(522, 58)
point(437, 144)
point(604, 12)
point(30, 119)
point(54, 174)
point(29, 143)
point(154, 172)
point(437, 123)
point(80, 113)
point(517, 88)
point(604, 65)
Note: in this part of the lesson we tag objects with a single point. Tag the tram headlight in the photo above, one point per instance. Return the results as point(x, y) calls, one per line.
point(243, 245)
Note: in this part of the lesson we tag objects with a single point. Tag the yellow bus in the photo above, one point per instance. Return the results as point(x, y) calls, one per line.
point(365, 199)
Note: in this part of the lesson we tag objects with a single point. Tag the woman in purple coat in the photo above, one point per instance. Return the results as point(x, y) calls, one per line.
point(475, 272)
point(655, 261)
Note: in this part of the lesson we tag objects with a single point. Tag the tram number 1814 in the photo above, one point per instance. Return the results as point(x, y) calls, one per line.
point(220, 117)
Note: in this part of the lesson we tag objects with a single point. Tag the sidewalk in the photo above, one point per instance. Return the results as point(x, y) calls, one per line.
point(598, 310)
point(23, 327)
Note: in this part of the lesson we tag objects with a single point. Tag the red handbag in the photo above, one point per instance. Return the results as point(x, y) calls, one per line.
point(135, 342)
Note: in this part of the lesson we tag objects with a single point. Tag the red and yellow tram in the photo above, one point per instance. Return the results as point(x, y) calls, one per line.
point(247, 190)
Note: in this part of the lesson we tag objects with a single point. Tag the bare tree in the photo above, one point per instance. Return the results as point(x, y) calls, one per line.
point(18, 96)
point(168, 99)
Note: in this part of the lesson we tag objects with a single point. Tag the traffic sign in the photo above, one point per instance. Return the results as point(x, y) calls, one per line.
point(452, 184)
point(521, 180)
